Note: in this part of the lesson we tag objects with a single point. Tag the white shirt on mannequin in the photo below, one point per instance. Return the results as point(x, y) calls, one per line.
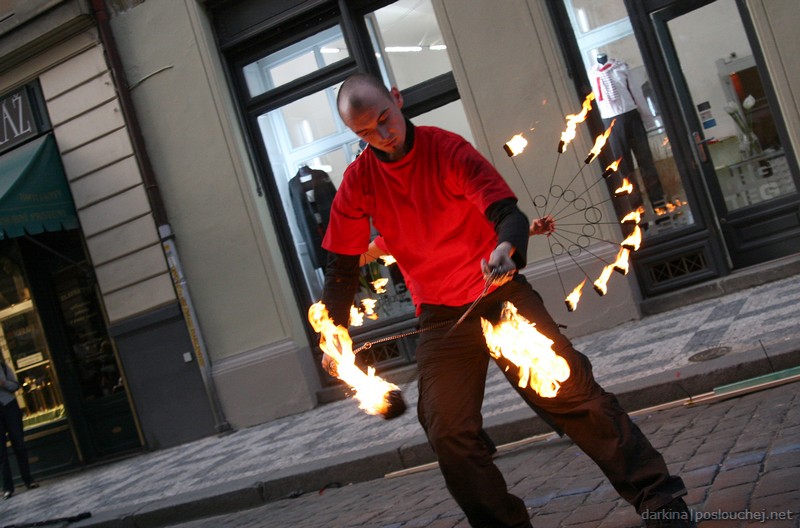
point(610, 87)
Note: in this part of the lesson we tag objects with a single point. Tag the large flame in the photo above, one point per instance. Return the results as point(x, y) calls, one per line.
point(573, 298)
point(600, 284)
point(572, 123)
point(515, 145)
point(599, 143)
point(516, 339)
point(370, 390)
point(634, 240)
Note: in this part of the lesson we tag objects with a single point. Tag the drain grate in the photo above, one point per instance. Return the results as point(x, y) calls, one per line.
point(710, 353)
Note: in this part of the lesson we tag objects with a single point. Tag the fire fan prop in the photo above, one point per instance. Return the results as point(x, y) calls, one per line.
point(516, 339)
point(375, 395)
point(561, 202)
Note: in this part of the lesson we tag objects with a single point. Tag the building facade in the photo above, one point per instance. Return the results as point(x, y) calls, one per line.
point(199, 147)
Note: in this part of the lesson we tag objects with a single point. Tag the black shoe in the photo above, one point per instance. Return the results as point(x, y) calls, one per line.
point(32, 485)
point(674, 515)
point(7, 494)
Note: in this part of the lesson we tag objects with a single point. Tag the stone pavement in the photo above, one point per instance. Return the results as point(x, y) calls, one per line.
point(739, 458)
point(644, 362)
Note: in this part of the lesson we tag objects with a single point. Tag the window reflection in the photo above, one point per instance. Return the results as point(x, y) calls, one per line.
point(295, 61)
point(624, 95)
point(410, 42)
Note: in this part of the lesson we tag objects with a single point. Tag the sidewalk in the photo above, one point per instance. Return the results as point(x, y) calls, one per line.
point(756, 330)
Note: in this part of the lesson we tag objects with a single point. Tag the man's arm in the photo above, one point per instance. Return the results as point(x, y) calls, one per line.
point(511, 226)
point(341, 283)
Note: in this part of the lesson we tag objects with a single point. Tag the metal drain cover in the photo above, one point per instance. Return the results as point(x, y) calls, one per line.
point(710, 353)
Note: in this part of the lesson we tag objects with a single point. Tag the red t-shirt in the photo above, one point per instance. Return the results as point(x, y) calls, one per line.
point(429, 208)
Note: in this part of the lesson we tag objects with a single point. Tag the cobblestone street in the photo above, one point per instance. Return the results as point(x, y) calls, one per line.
point(740, 459)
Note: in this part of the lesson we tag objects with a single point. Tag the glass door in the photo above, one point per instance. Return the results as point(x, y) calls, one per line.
point(732, 126)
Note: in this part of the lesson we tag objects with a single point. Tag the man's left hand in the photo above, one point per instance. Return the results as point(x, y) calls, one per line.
point(500, 268)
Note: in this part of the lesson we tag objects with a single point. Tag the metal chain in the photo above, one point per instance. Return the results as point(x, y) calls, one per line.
point(370, 344)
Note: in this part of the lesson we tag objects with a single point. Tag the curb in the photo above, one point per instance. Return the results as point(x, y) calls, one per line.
point(377, 461)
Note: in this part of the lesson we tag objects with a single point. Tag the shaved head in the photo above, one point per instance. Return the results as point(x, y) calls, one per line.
point(374, 113)
point(356, 89)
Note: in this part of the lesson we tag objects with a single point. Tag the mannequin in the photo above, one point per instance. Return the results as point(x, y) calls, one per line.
point(614, 99)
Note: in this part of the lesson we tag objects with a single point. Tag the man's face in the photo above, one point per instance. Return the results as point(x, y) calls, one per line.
point(378, 121)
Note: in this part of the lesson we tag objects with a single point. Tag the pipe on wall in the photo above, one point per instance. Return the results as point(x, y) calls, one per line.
point(101, 15)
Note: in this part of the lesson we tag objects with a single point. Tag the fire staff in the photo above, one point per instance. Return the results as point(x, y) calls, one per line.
point(450, 220)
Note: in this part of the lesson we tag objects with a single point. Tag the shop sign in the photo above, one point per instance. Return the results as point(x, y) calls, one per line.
point(17, 122)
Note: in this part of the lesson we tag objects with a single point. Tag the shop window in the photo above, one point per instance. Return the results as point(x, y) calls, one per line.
point(616, 73)
point(306, 145)
point(23, 345)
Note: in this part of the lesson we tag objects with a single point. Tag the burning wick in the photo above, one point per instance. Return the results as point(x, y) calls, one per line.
point(634, 240)
point(516, 339)
point(625, 189)
point(387, 260)
point(572, 299)
point(634, 217)
point(572, 123)
point(356, 317)
point(600, 284)
point(611, 169)
point(379, 285)
point(599, 143)
point(375, 396)
point(369, 308)
point(515, 145)
point(621, 264)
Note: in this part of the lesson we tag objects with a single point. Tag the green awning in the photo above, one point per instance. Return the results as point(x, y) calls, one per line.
point(34, 195)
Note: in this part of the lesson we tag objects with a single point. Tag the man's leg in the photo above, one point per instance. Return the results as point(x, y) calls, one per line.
point(8, 481)
point(590, 416)
point(452, 376)
point(16, 436)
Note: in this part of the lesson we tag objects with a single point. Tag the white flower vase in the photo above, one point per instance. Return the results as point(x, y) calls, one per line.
point(749, 146)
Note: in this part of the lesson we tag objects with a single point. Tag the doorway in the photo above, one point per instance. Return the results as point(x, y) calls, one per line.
point(717, 139)
point(54, 335)
point(733, 127)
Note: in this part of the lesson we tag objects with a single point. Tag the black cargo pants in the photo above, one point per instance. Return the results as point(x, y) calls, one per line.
point(452, 376)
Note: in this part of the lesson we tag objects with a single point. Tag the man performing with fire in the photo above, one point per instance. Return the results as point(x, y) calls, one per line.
point(452, 222)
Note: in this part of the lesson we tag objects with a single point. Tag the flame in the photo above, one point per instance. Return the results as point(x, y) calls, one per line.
point(379, 285)
point(387, 260)
point(621, 264)
point(572, 123)
point(370, 390)
point(573, 298)
point(356, 317)
point(669, 207)
point(515, 145)
point(634, 217)
point(369, 308)
point(634, 240)
point(624, 189)
point(516, 339)
point(611, 169)
point(600, 284)
point(599, 143)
